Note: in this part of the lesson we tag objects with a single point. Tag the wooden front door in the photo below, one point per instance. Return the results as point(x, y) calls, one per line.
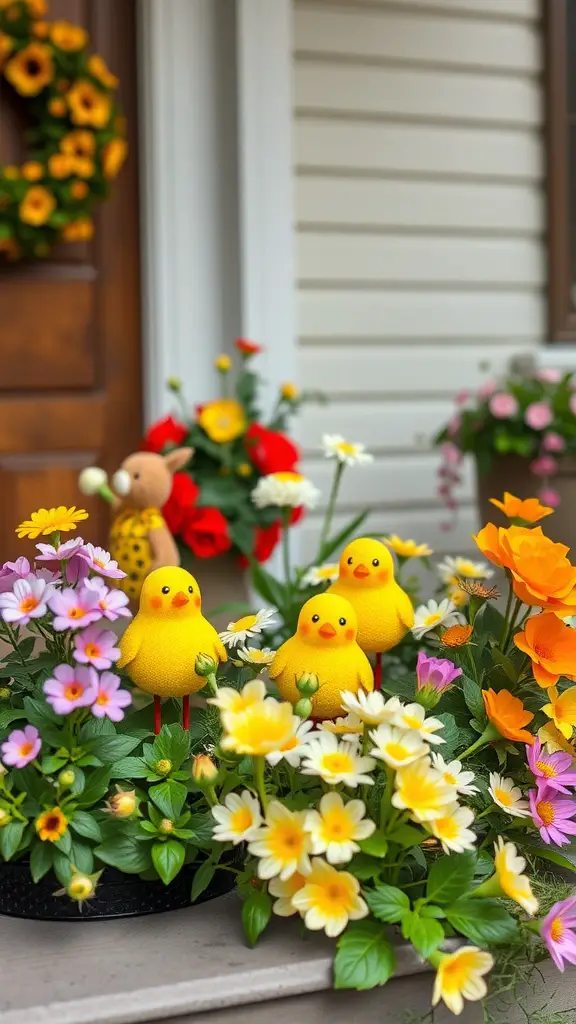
point(70, 356)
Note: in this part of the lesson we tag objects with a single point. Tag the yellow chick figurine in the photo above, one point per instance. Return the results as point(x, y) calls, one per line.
point(325, 644)
point(384, 610)
point(160, 646)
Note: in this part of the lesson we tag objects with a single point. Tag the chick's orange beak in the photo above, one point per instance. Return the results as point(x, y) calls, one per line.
point(327, 631)
point(361, 572)
point(179, 599)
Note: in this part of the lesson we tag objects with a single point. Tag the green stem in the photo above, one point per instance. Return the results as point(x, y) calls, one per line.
point(386, 804)
point(512, 624)
point(472, 663)
point(211, 680)
point(490, 733)
point(14, 642)
point(259, 765)
point(507, 614)
point(330, 510)
point(286, 547)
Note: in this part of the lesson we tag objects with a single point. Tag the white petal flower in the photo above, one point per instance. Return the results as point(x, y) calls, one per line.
point(285, 490)
point(349, 728)
point(336, 826)
point(282, 844)
point(352, 454)
point(293, 750)
point(336, 761)
point(413, 716)
point(91, 480)
point(452, 829)
point(508, 796)
point(397, 747)
point(256, 657)
point(321, 574)
point(248, 626)
point(454, 775)
point(454, 567)
point(238, 819)
point(229, 699)
point(430, 616)
point(284, 891)
point(371, 708)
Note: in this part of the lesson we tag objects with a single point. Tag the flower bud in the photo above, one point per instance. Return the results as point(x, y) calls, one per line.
point(223, 363)
point(4, 692)
point(428, 697)
point(91, 480)
point(66, 778)
point(80, 887)
point(164, 766)
point(123, 804)
point(289, 391)
point(5, 817)
point(203, 769)
point(205, 665)
point(174, 384)
point(166, 826)
point(303, 708)
point(307, 684)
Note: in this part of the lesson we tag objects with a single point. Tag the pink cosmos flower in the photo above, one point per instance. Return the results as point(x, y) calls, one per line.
point(555, 770)
point(72, 687)
point(74, 609)
point(69, 552)
point(538, 415)
point(111, 602)
point(503, 406)
point(545, 465)
point(101, 561)
point(548, 496)
point(28, 600)
point(12, 571)
point(557, 930)
point(552, 814)
point(549, 376)
point(553, 442)
point(486, 389)
point(110, 700)
point(95, 646)
point(21, 747)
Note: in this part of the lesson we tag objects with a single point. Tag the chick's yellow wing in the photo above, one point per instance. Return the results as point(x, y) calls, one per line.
point(365, 675)
point(280, 661)
point(220, 650)
point(130, 643)
point(405, 609)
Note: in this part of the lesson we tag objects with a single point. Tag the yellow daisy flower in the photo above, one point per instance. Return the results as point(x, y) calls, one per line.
point(460, 976)
point(51, 825)
point(406, 548)
point(562, 710)
point(509, 867)
point(452, 829)
point(329, 899)
point(282, 844)
point(284, 891)
point(336, 826)
point(263, 727)
point(421, 789)
point(229, 699)
point(51, 520)
point(223, 420)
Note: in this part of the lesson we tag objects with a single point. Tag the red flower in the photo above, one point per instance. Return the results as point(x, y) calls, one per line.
point(265, 540)
point(270, 451)
point(176, 511)
point(166, 431)
point(206, 532)
point(248, 348)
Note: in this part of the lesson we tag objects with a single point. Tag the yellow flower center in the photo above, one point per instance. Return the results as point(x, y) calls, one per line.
point(547, 770)
point(412, 722)
point(337, 827)
point(346, 448)
point(457, 972)
point(286, 477)
point(546, 812)
point(557, 929)
point(76, 613)
point(26, 749)
point(503, 797)
point(450, 779)
point(286, 841)
point(420, 792)
point(241, 820)
point(396, 751)
point(446, 828)
point(326, 571)
point(73, 691)
point(102, 699)
point(469, 569)
point(80, 888)
point(247, 622)
point(333, 899)
point(28, 604)
point(432, 619)
point(92, 651)
point(337, 764)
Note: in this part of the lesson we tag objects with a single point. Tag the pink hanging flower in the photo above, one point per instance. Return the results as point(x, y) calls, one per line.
point(503, 406)
point(557, 930)
point(486, 389)
point(548, 496)
point(538, 415)
point(553, 442)
point(12, 571)
point(110, 699)
point(21, 747)
point(451, 454)
point(552, 814)
point(548, 376)
point(69, 552)
point(555, 770)
point(95, 646)
point(28, 600)
point(454, 425)
point(101, 561)
point(72, 687)
point(74, 609)
point(462, 397)
point(112, 603)
point(545, 465)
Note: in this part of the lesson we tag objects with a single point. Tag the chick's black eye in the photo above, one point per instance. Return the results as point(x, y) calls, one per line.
point(136, 476)
point(342, 622)
point(375, 562)
point(315, 618)
point(165, 590)
point(190, 590)
point(350, 560)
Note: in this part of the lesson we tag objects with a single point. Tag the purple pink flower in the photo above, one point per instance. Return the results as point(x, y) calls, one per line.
point(110, 699)
point(74, 609)
point(69, 552)
point(28, 600)
point(549, 376)
point(95, 646)
point(71, 687)
point(548, 496)
point(503, 406)
point(12, 571)
point(101, 561)
point(553, 442)
point(552, 814)
point(21, 747)
point(462, 397)
point(538, 415)
point(544, 465)
point(486, 389)
point(451, 454)
point(558, 771)
point(112, 603)
point(557, 930)
point(435, 673)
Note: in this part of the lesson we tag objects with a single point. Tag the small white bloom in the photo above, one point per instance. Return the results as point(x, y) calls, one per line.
point(335, 827)
point(256, 657)
point(349, 728)
point(294, 749)
point(454, 775)
point(452, 829)
point(397, 747)
point(282, 844)
point(285, 490)
point(508, 796)
point(371, 708)
point(454, 567)
point(229, 699)
point(321, 574)
point(352, 454)
point(238, 819)
point(429, 616)
point(413, 716)
point(246, 627)
point(91, 480)
point(336, 761)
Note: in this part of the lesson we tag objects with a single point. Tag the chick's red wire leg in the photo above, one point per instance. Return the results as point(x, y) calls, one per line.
point(378, 671)
point(186, 712)
point(157, 715)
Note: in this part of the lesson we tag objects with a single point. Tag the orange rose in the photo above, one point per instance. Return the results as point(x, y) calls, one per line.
point(551, 647)
point(508, 714)
point(530, 510)
point(542, 574)
point(488, 540)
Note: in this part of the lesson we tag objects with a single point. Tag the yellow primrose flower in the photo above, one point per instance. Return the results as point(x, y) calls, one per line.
point(421, 789)
point(329, 899)
point(348, 727)
point(335, 827)
point(229, 699)
point(452, 829)
point(553, 740)
point(509, 867)
point(260, 729)
point(237, 819)
point(51, 520)
point(289, 392)
point(282, 844)
point(223, 363)
point(562, 710)
point(223, 420)
point(397, 747)
point(460, 976)
point(284, 891)
point(406, 548)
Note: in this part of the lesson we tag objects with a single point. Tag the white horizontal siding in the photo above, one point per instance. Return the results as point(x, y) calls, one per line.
point(420, 218)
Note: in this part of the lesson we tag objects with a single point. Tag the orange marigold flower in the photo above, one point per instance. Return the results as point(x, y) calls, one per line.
point(36, 206)
point(60, 165)
point(67, 36)
point(529, 510)
point(456, 636)
point(508, 714)
point(79, 143)
point(113, 156)
point(32, 170)
point(89, 106)
point(551, 647)
point(79, 189)
point(97, 66)
point(57, 106)
point(80, 230)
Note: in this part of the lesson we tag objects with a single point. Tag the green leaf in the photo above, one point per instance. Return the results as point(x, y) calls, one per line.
point(406, 835)
point(28, 780)
point(432, 911)
point(563, 857)
point(129, 768)
point(484, 922)
point(363, 866)
point(173, 744)
point(40, 860)
point(365, 956)
point(202, 879)
point(61, 866)
point(9, 715)
point(256, 913)
point(169, 797)
point(64, 843)
point(505, 663)
point(125, 853)
point(168, 858)
point(387, 903)
point(375, 845)
point(86, 826)
point(450, 877)
point(339, 539)
point(96, 787)
point(451, 735)
point(202, 824)
point(473, 697)
point(10, 837)
point(425, 934)
point(81, 857)
point(112, 748)
point(50, 764)
point(267, 586)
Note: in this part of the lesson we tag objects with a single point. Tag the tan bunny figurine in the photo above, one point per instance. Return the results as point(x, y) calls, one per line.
point(140, 540)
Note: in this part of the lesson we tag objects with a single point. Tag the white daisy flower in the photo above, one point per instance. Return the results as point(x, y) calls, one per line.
point(508, 796)
point(321, 574)
point(336, 761)
point(349, 728)
point(246, 627)
point(371, 708)
point(454, 775)
point(335, 827)
point(285, 490)
point(293, 750)
point(429, 616)
point(229, 699)
point(454, 567)
point(282, 844)
point(256, 657)
point(352, 454)
point(452, 829)
point(397, 747)
point(238, 819)
point(413, 716)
